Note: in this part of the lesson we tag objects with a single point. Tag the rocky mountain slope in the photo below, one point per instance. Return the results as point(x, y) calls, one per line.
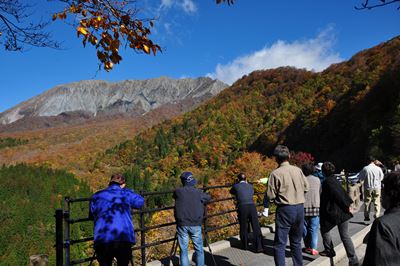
point(78, 102)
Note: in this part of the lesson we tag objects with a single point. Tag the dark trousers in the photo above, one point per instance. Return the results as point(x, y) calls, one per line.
point(289, 220)
point(107, 252)
point(248, 213)
point(347, 243)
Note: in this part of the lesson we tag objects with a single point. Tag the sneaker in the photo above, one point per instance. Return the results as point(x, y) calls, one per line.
point(310, 251)
point(327, 254)
point(367, 219)
point(313, 252)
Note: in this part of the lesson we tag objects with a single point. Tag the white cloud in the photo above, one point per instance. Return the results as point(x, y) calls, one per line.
point(167, 3)
point(189, 6)
point(313, 54)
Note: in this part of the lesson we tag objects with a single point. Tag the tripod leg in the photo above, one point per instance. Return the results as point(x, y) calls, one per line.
point(209, 248)
point(174, 248)
point(92, 259)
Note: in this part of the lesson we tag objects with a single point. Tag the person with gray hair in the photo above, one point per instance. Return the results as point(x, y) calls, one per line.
point(286, 186)
point(311, 210)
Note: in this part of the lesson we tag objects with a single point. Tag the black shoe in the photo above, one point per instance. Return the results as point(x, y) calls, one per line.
point(260, 251)
point(367, 219)
point(327, 254)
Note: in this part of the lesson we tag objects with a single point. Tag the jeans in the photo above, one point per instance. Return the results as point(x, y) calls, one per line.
point(347, 243)
point(289, 221)
point(194, 232)
point(310, 233)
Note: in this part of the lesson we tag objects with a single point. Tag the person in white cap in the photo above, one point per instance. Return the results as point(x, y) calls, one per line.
point(318, 172)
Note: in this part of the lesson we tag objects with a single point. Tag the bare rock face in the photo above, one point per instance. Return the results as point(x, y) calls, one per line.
point(99, 98)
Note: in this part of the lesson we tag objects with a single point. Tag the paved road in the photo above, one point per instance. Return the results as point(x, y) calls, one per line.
point(360, 251)
point(235, 256)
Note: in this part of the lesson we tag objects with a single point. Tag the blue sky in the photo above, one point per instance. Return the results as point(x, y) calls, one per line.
point(201, 38)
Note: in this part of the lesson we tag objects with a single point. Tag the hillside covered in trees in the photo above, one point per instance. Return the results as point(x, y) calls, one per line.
point(341, 114)
point(28, 199)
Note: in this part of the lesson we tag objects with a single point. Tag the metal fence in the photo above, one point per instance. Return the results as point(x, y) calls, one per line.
point(64, 222)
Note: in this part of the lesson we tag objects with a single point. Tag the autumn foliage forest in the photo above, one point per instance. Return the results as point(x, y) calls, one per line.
point(342, 114)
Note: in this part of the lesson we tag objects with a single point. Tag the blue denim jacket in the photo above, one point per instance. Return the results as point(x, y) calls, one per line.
point(110, 209)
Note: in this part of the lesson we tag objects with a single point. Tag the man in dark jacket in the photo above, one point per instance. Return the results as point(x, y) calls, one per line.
point(384, 238)
point(114, 234)
point(247, 212)
point(335, 211)
point(189, 214)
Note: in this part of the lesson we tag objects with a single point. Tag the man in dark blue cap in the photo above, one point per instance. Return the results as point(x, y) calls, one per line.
point(189, 214)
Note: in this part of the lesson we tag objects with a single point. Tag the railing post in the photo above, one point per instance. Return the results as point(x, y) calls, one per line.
point(67, 237)
point(205, 219)
point(142, 236)
point(59, 237)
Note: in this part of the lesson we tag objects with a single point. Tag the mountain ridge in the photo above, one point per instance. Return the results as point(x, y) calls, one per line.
point(97, 97)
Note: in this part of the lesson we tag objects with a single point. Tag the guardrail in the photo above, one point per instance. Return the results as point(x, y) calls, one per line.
point(64, 222)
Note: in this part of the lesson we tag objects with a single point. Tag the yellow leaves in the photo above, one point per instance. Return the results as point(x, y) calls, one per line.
point(108, 26)
point(146, 49)
point(82, 30)
point(108, 66)
point(93, 39)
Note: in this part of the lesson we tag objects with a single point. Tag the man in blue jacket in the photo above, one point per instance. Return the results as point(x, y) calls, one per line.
point(114, 234)
point(189, 214)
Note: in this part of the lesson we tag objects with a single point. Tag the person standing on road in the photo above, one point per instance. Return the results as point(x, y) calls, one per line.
point(311, 210)
point(371, 175)
point(189, 214)
point(318, 172)
point(114, 234)
point(396, 166)
point(383, 243)
point(286, 185)
point(335, 211)
point(247, 212)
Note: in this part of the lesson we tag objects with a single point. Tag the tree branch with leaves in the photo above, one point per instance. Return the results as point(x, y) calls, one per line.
point(108, 26)
point(367, 4)
point(16, 33)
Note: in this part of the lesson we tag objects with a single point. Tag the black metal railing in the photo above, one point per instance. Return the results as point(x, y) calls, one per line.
point(64, 222)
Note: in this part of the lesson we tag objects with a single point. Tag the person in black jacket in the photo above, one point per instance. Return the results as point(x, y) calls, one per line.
point(189, 214)
point(383, 243)
point(335, 211)
point(247, 212)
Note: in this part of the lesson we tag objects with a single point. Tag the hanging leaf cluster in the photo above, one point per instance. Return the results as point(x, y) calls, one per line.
point(108, 26)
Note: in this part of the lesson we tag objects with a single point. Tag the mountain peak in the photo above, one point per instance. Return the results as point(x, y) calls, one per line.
point(125, 97)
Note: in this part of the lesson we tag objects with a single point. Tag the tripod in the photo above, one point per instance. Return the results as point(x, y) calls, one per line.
point(175, 247)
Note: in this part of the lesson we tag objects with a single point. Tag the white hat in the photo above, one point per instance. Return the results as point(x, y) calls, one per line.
point(319, 166)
